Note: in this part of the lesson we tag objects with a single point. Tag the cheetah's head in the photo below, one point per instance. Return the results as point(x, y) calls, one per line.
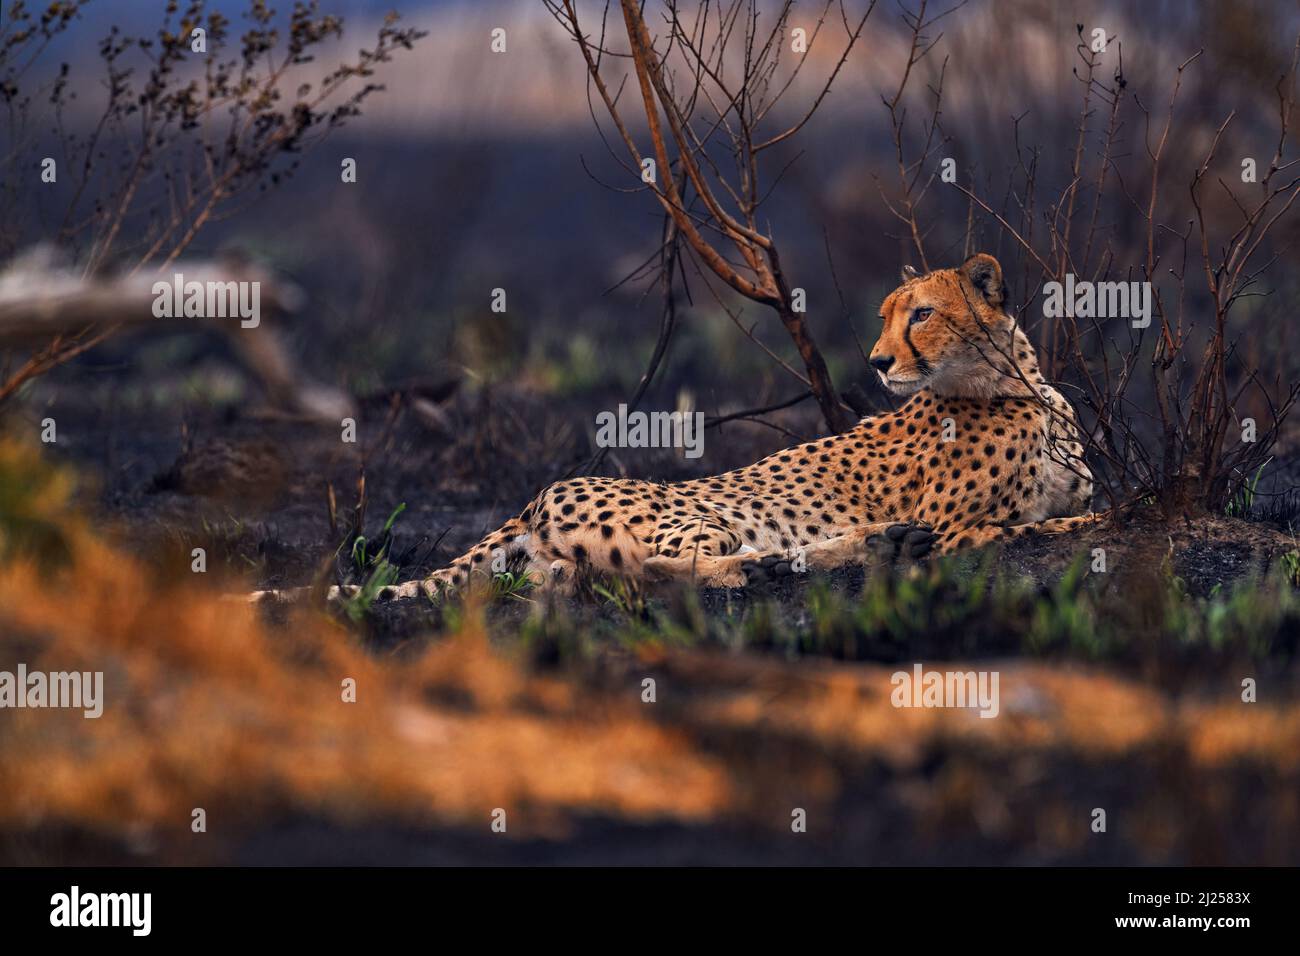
point(944, 331)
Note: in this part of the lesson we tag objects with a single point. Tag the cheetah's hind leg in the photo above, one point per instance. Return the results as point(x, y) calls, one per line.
point(553, 577)
point(905, 540)
point(707, 570)
point(885, 539)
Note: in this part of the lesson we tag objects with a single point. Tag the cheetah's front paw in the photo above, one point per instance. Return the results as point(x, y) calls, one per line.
point(912, 541)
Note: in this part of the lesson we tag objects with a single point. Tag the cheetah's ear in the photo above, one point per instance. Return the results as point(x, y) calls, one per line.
point(985, 275)
point(909, 273)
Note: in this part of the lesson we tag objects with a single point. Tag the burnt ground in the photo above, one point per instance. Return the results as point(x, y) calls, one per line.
point(255, 488)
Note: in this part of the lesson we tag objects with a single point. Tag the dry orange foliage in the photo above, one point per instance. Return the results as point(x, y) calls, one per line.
point(206, 706)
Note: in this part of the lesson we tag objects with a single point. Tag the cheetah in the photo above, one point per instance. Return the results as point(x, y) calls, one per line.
point(983, 449)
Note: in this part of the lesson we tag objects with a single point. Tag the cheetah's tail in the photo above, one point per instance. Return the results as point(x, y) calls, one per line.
point(495, 551)
point(493, 554)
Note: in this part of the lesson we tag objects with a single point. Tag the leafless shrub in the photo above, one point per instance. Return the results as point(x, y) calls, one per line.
point(182, 137)
point(708, 123)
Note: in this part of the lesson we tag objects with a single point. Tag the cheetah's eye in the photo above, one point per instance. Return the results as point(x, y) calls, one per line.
point(920, 315)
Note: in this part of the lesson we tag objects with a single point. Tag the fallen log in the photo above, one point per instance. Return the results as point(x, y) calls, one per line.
point(43, 298)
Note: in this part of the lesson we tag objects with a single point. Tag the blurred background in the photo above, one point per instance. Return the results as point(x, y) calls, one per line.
point(479, 170)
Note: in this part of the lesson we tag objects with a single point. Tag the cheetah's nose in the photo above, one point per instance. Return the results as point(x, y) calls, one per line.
point(882, 362)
